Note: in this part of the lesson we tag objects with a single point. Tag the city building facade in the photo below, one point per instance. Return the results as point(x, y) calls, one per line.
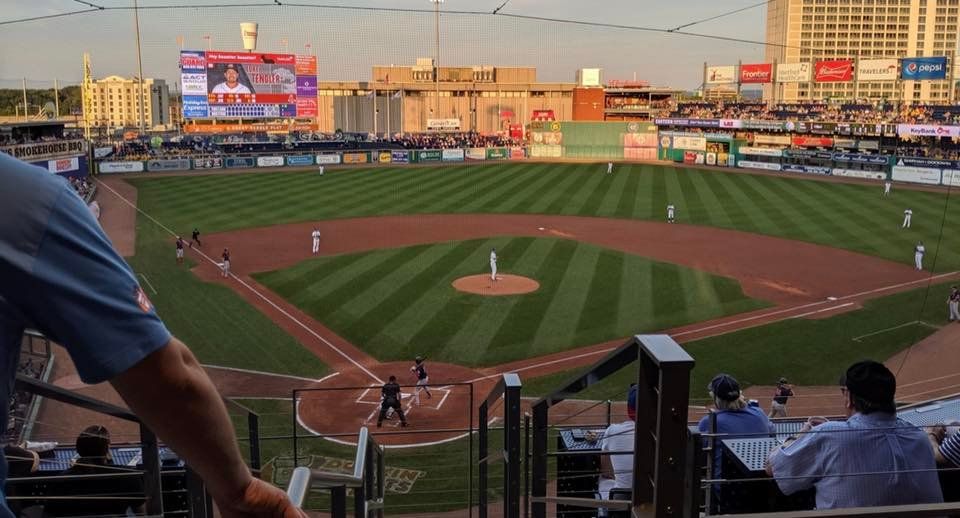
point(116, 103)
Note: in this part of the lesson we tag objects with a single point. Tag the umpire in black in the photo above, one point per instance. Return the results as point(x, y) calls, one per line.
point(390, 398)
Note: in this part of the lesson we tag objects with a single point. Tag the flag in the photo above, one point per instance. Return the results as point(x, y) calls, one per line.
point(398, 94)
point(370, 95)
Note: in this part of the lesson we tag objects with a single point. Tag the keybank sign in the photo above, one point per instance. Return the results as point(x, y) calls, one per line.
point(913, 69)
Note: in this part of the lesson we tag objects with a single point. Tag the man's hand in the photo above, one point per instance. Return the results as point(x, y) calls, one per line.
point(260, 500)
point(812, 422)
point(938, 432)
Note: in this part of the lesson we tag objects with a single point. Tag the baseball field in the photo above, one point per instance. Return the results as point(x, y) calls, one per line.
point(761, 276)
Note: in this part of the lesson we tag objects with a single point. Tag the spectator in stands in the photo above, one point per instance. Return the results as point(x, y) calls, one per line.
point(732, 417)
point(946, 446)
point(831, 456)
point(62, 276)
point(616, 470)
point(21, 462)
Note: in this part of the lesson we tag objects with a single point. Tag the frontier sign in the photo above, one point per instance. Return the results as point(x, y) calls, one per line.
point(756, 73)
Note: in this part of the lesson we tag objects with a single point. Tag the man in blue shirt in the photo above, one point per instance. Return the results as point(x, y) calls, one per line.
point(835, 457)
point(61, 275)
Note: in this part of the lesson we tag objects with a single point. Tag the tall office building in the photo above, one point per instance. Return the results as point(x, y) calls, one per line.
point(116, 102)
point(812, 30)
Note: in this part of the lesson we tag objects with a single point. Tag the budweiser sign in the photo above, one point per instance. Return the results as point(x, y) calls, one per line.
point(834, 71)
point(757, 73)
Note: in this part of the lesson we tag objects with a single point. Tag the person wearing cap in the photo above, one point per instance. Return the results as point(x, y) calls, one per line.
point(616, 467)
point(833, 456)
point(732, 418)
point(423, 380)
point(232, 84)
point(780, 396)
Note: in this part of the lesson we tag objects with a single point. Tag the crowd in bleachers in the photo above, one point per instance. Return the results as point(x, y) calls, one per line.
point(450, 140)
point(20, 401)
point(865, 112)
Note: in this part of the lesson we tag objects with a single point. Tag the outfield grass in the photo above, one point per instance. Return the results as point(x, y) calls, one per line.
point(808, 352)
point(853, 217)
point(398, 303)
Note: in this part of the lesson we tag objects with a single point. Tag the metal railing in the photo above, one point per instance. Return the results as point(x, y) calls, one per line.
point(508, 387)
point(366, 482)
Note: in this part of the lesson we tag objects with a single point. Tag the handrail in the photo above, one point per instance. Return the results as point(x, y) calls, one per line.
point(56, 393)
point(507, 387)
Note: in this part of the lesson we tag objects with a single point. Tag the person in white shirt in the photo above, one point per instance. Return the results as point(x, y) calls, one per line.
point(670, 213)
point(886, 188)
point(616, 467)
point(321, 170)
point(907, 216)
point(232, 84)
point(918, 252)
point(316, 240)
point(493, 264)
point(609, 167)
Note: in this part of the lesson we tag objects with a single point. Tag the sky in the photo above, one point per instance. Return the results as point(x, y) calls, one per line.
point(348, 42)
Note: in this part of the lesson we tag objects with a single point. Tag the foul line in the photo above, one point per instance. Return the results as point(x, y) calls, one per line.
point(254, 291)
point(144, 277)
point(858, 338)
point(271, 374)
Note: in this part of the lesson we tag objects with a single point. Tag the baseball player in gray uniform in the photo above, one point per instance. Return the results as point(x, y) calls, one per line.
point(493, 264)
point(918, 252)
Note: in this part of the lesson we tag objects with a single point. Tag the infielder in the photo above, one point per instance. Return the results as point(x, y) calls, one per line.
point(907, 216)
point(918, 252)
point(179, 250)
point(321, 170)
point(953, 302)
point(493, 264)
point(195, 237)
point(316, 240)
point(886, 188)
point(609, 167)
point(226, 263)
point(420, 371)
point(670, 213)
point(390, 399)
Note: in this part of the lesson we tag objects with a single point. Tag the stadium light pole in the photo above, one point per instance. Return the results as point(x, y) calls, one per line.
point(436, 68)
point(136, 24)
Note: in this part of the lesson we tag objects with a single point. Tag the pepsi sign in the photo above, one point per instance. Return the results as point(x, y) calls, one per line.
point(914, 69)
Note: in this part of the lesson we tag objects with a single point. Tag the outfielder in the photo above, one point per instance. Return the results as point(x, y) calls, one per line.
point(226, 263)
point(321, 170)
point(390, 399)
point(907, 216)
point(179, 250)
point(493, 264)
point(420, 371)
point(670, 213)
point(886, 188)
point(609, 167)
point(316, 240)
point(953, 302)
point(918, 252)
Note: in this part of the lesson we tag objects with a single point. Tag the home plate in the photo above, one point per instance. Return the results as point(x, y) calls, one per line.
point(831, 298)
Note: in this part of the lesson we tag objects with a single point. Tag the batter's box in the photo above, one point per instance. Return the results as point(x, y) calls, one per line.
point(371, 397)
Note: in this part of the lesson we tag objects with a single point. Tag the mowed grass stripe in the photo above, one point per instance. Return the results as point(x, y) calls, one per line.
point(595, 186)
point(555, 196)
point(521, 201)
point(714, 212)
point(607, 206)
point(764, 211)
point(561, 203)
point(495, 197)
point(675, 195)
point(429, 195)
point(469, 184)
point(670, 299)
point(808, 211)
point(455, 200)
point(628, 197)
point(568, 302)
point(603, 299)
point(696, 208)
point(863, 238)
point(636, 295)
point(593, 203)
point(735, 210)
point(778, 207)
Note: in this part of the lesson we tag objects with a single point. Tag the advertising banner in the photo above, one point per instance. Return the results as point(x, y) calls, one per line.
point(877, 70)
point(476, 153)
point(180, 164)
point(543, 151)
point(844, 143)
point(640, 153)
point(756, 73)
point(194, 84)
point(760, 151)
point(120, 167)
point(833, 71)
point(102, 152)
point(452, 155)
point(63, 165)
point(498, 153)
point(240, 161)
point(711, 159)
point(269, 161)
point(430, 155)
point(927, 130)
point(692, 157)
point(951, 177)
point(300, 160)
point(764, 125)
point(813, 141)
point(926, 162)
point(916, 174)
point(329, 158)
point(793, 72)
point(860, 158)
point(208, 163)
point(767, 166)
point(518, 153)
point(721, 75)
point(639, 140)
point(384, 157)
point(41, 150)
point(776, 140)
point(691, 143)
point(805, 169)
point(731, 123)
point(868, 144)
point(250, 127)
point(400, 156)
point(443, 124)
point(356, 158)
point(549, 138)
point(919, 69)
point(859, 173)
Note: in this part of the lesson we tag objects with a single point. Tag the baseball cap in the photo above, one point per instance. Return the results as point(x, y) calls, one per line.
point(632, 397)
point(230, 66)
point(725, 387)
point(783, 380)
point(873, 382)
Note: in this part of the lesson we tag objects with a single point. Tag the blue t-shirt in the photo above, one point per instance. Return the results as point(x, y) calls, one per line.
point(61, 275)
point(731, 424)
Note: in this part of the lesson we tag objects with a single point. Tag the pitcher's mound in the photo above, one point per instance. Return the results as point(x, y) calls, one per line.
point(504, 285)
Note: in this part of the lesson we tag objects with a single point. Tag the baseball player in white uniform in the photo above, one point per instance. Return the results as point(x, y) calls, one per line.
point(886, 188)
point(225, 265)
point(321, 170)
point(670, 213)
point(918, 252)
point(907, 216)
point(316, 240)
point(493, 264)
point(609, 167)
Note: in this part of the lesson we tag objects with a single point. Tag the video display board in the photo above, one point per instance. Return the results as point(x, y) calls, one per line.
point(247, 85)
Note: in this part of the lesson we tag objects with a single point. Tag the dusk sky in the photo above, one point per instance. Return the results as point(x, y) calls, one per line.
point(349, 42)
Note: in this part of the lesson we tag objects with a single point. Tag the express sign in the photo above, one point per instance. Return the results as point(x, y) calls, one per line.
point(833, 71)
point(756, 73)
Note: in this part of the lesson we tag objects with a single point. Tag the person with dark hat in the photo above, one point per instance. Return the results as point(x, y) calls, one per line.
point(732, 417)
point(390, 396)
point(783, 392)
point(871, 459)
point(231, 83)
